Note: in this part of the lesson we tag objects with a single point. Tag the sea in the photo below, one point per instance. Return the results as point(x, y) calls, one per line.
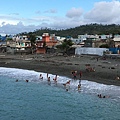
point(40, 100)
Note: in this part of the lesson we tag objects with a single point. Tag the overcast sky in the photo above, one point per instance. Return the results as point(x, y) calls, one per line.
point(18, 16)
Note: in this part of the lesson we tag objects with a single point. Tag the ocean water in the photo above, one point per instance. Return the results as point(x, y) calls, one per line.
point(39, 100)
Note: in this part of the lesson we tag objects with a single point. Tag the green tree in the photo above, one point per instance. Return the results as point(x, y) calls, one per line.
point(104, 46)
point(32, 38)
point(9, 39)
point(65, 45)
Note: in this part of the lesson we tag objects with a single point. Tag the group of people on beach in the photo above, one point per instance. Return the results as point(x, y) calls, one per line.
point(75, 73)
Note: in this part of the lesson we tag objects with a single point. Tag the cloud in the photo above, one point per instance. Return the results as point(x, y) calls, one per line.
point(104, 12)
point(74, 12)
point(38, 12)
point(51, 11)
point(14, 14)
point(18, 28)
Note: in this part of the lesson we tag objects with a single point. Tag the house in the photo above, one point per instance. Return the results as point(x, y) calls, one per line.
point(2, 43)
point(116, 41)
point(47, 43)
point(19, 44)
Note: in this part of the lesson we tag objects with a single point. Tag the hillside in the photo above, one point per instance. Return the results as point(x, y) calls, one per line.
point(83, 29)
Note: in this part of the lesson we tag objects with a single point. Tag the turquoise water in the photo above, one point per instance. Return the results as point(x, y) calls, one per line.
point(37, 100)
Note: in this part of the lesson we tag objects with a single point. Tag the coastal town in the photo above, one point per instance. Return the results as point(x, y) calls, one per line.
point(60, 60)
point(47, 43)
point(96, 56)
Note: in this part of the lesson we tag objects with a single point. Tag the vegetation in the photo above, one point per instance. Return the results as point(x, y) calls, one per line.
point(65, 45)
point(80, 30)
point(104, 46)
point(9, 39)
point(32, 38)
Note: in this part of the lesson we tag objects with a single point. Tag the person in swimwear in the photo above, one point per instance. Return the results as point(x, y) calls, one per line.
point(68, 82)
point(16, 80)
point(100, 96)
point(55, 79)
point(27, 80)
point(80, 74)
point(79, 86)
point(41, 77)
point(48, 78)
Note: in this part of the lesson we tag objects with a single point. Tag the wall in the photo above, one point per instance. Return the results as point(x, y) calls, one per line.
point(90, 51)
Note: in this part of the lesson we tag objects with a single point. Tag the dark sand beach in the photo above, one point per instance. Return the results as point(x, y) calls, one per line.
point(105, 72)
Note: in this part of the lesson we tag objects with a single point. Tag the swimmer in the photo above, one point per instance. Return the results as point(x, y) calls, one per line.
point(79, 86)
point(27, 80)
point(41, 77)
point(66, 89)
point(68, 82)
point(80, 74)
point(17, 80)
point(80, 82)
point(48, 78)
point(55, 79)
point(100, 96)
point(47, 75)
point(104, 97)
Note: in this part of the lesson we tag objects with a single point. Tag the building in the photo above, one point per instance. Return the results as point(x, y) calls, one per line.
point(19, 44)
point(47, 43)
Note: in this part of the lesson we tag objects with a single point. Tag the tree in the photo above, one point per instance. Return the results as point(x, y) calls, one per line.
point(32, 38)
point(9, 39)
point(65, 45)
point(104, 46)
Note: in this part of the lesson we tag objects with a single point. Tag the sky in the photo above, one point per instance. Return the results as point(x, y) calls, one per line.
point(18, 16)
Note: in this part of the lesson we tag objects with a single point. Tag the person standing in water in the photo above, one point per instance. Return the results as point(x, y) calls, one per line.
point(79, 86)
point(55, 79)
point(48, 79)
point(80, 74)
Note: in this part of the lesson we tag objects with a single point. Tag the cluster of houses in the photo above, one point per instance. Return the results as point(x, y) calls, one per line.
point(48, 42)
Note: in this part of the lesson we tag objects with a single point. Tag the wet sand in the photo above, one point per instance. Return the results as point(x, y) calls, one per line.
point(105, 72)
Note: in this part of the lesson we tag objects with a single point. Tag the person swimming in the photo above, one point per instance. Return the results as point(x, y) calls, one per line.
point(55, 79)
point(67, 83)
point(27, 80)
point(16, 80)
point(48, 78)
point(79, 86)
point(41, 77)
point(100, 96)
point(66, 89)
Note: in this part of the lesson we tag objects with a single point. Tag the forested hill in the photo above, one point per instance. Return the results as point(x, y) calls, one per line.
point(83, 29)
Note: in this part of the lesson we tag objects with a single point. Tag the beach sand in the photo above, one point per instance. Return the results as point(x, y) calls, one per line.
point(105, 72)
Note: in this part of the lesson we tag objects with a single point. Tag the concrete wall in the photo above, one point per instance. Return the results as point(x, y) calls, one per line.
point(90, 51)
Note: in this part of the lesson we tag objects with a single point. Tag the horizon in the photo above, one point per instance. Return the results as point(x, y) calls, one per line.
point(27, 16)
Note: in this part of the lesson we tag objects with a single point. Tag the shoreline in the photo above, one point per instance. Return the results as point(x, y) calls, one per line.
point(105, 70)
